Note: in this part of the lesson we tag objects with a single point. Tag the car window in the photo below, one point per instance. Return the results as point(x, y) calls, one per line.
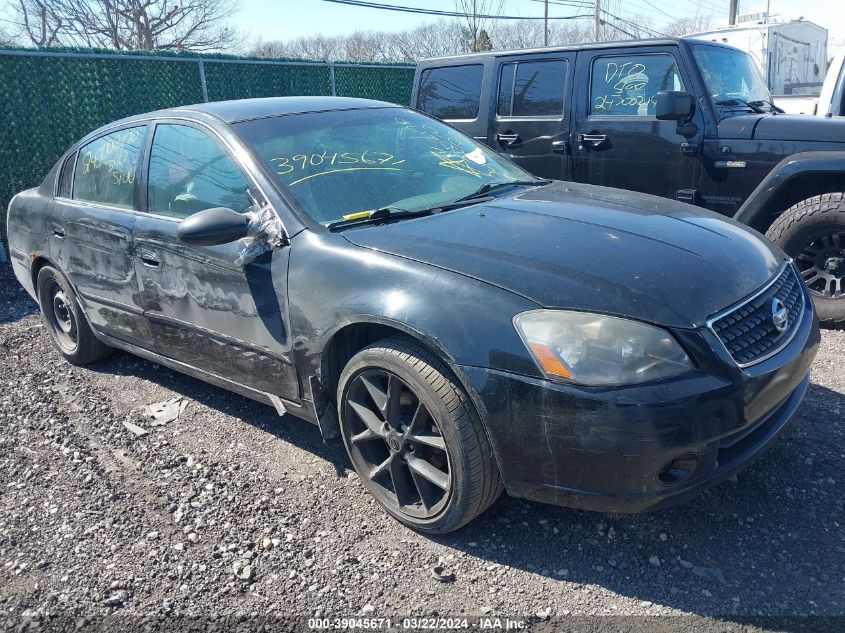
point(532, 88)
point(628, 86)
point(106, 168)
point(190, 172)
point(452, 92)
point(341, 163)
point(66, 177)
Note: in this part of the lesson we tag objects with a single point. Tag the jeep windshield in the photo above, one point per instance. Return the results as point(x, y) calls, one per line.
point(348, 165)
point(733, 80)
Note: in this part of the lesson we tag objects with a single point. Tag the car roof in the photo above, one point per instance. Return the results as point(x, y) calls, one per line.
point(666, 41)
point(246, 109)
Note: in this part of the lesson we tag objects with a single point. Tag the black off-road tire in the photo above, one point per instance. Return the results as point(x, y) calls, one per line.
point(60, 307)
point(475, 478)
point(798, 227)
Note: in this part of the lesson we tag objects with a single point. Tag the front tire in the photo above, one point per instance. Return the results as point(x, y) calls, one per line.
point(414, 438)
point(65, 321)
point(812, 232)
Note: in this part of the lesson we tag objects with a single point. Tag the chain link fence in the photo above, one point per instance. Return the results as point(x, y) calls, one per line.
point(50, 99)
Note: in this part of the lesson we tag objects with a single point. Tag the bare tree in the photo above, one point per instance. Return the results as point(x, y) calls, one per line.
point(5, 38)
point(475, 23)
point(684, 26)
point(127, 24)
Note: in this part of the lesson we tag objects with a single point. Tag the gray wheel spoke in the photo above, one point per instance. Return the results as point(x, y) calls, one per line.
point(434, 441)
point(382, 468)
point(401, 484)
point(428, 472)
point(367, 416)
point(420, 420)
point(366, 435)
point(379, 397)
point(393, 399)
point(424, 489)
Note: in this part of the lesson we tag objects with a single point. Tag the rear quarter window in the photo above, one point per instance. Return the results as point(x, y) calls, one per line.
point(451, 92)
point(106, 168)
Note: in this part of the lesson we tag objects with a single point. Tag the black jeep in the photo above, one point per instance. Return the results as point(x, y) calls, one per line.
point(682, 119)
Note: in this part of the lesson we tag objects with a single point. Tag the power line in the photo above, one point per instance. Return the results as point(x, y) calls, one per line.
point(452, 14)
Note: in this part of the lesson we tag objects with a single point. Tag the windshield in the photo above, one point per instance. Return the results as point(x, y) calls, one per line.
point(339, 163)
point(731, 77)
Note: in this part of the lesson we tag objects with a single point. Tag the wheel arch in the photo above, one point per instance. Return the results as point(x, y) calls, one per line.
point(794, 179)
point(353, 336)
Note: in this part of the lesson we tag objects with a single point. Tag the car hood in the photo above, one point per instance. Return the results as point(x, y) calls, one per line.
point(783, 127)
point(591, 248)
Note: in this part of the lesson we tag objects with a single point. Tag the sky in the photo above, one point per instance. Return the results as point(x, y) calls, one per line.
point(283, 19)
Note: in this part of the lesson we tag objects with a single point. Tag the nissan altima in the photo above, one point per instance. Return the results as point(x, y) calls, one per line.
point(464, 327)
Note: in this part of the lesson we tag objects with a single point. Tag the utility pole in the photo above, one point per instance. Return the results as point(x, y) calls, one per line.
point(598, 19)
point(732, 12)
point(546, 24)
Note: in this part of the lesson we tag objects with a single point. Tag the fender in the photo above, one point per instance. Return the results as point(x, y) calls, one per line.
point(761, 206)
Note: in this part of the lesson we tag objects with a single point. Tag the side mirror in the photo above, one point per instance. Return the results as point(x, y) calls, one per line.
point(677, 106)
point(674, 106)
point(213, 226)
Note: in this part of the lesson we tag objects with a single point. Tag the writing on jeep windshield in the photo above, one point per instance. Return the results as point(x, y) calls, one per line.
point(628, 85)
point(337, 164)
point(732, 77)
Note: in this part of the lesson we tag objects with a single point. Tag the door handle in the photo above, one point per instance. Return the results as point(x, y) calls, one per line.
point(149, 259)
point(58, 232)
point(593, 141)
point(508, 139)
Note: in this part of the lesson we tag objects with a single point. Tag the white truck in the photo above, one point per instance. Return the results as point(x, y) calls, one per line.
point(831, 101)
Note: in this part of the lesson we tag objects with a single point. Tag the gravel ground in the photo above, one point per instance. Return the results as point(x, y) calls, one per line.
point(233, 510)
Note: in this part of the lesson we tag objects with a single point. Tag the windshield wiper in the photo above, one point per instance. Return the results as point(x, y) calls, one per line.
point(384, 213)
point(769, 103)
point(485, 189)
point(733, 102)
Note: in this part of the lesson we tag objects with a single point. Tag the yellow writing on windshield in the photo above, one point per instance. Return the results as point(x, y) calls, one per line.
point(333, 161)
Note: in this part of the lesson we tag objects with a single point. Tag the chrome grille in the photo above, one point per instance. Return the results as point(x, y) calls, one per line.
point(748, 330)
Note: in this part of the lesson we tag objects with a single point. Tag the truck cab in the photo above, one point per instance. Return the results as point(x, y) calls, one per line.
point(685, 119)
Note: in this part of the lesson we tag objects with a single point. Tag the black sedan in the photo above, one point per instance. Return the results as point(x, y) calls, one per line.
point(464, 327)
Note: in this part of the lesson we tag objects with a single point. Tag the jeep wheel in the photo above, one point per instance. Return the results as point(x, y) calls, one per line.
point(414, 439)
point(813, 233)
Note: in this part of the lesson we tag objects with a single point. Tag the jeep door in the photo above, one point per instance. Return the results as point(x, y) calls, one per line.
point(204, 309)
point(617, 141)
point(530, 118)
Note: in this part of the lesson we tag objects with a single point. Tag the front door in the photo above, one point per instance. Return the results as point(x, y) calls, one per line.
point(203, 308)
point(617, 141)
point(531, 120)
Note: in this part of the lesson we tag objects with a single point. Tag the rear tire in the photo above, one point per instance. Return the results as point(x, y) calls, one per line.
point(812, 232)
point(63, 317)
point(414, 439)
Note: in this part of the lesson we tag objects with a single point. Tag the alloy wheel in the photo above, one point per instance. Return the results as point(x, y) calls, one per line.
point(822, 264)
point(396, 444)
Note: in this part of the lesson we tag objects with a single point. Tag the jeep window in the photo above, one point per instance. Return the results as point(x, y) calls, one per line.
point(452, 92)
point(106, 168)
point(340, 163)
point(628, 86)
point(732, 78)
point(532, 89)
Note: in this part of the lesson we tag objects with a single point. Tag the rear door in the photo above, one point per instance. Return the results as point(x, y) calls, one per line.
point(530, 122)
point(457, 93)
point(204, 309)
point(94, 212)
point(617, 141)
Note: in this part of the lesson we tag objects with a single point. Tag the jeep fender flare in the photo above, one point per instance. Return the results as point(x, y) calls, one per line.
point(772, 195)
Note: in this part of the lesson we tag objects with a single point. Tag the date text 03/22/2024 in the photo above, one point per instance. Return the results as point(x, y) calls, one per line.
point(416, 624)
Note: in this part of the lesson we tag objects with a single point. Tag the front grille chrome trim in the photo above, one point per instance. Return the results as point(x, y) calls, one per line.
point(787, 265)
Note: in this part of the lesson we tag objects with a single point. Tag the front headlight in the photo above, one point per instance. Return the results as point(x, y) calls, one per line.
point(594, 349)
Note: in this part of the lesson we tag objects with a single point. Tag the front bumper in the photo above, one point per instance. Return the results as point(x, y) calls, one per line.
point(610, 450)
